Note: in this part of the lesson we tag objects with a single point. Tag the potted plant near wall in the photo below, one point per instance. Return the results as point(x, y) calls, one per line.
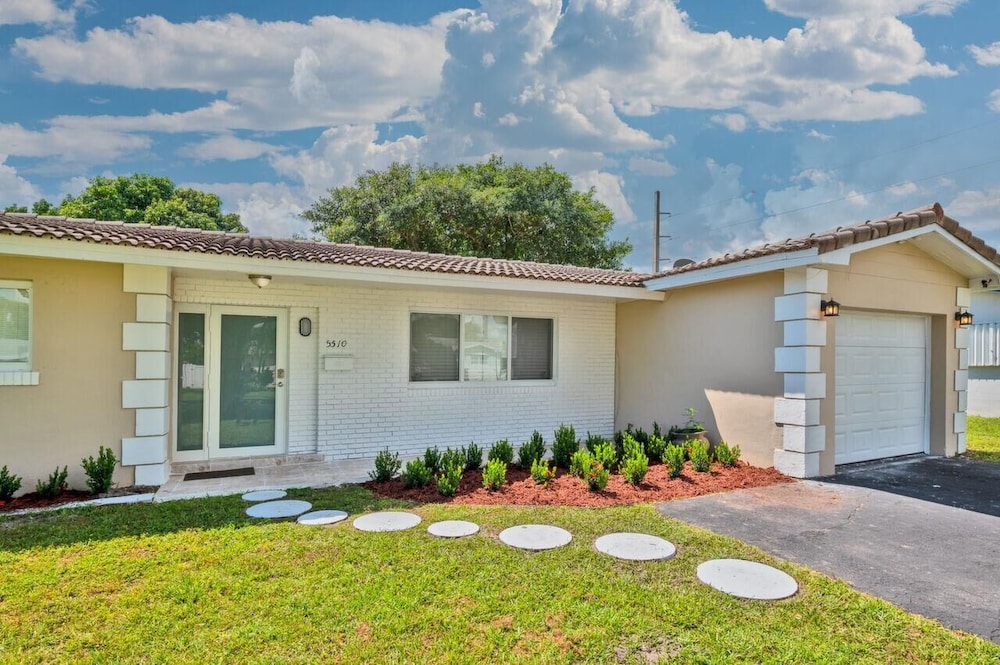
point(693, 429)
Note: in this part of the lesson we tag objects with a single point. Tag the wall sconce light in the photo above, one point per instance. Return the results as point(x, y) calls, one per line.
point(963, 318)
point(260, 281)
point(305, 326)
point(829, 307)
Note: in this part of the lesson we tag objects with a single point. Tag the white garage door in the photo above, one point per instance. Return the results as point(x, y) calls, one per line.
point(881, 386)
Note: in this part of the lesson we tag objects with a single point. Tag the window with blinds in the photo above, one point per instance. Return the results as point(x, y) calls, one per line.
point(480, 347)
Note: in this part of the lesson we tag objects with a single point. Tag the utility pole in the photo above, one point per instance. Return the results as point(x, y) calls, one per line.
point(657, 238)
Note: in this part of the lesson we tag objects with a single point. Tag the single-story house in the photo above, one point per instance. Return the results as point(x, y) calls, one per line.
point(178, 345)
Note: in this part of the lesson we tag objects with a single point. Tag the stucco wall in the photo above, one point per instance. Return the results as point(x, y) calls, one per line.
point(900, 278)
point(78, 310)
point(710, 347)
point(356, 413)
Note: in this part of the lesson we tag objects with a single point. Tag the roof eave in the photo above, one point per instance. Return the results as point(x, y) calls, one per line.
point(756, 266)
point(44, 247)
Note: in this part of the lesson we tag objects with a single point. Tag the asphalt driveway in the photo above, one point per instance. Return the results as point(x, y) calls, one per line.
point(950, 481)
point(934, 560)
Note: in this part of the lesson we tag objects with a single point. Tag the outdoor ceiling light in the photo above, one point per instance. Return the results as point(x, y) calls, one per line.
point(963, 318)
point(260, 281)
point(829, 307)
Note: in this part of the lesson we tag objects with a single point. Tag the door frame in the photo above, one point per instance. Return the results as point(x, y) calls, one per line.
point(210, 408)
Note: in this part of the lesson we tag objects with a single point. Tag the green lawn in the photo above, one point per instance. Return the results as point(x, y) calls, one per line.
point(983, 438)
point(195, 581)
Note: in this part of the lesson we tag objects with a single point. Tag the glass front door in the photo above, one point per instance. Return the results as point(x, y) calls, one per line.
point(230, 382)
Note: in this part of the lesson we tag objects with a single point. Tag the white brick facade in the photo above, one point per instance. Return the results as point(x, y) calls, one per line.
point(367, 403)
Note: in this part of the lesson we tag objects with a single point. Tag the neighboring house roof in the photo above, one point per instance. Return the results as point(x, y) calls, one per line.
point(239, 244)
point(845, 236)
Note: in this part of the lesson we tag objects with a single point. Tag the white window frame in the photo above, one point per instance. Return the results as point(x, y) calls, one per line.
point(22, 366)
point(461, 314)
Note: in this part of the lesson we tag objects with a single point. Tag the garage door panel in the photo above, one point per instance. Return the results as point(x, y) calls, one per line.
point(881, 384)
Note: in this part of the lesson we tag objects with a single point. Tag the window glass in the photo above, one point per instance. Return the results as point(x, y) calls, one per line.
point(15, 326)
point(484, 351)
point(531, 349)
point(190, 381)
point(434, 347)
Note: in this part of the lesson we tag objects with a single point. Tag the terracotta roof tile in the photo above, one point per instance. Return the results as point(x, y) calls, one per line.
point(234, 244)
point(846, 236)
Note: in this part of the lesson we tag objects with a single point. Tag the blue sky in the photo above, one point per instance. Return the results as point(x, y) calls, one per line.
point(758, 120)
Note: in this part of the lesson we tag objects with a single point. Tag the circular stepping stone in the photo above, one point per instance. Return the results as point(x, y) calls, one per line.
point(278, 509)
point(452, 529)
point(322, 517)
point(635, 547)
point(389, 520)
point(535, 537)
point(264, 495)
point(747, 579)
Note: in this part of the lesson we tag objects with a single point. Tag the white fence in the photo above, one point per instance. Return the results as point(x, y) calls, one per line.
point(984, 345)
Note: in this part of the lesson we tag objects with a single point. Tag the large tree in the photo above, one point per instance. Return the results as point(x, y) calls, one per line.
point(152, 199)
point(490, 209)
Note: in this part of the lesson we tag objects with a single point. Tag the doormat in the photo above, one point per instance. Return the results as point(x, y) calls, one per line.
point(227, 473)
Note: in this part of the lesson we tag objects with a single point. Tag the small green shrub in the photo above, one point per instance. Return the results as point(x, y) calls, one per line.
point(432, 459)
point(656, 447)
point(449, 480)
point(727, 455)
point(674, 457)
point(9, 483)
point(631, 446)
point(634, 468)
point(54, 486)
point(564, 445)
point(592, 441)
point(532, 451)
point(473, 456)
point(580, 462)
point(701, 460)
point(99, 471)
point(605, 453)
point(501, 450)
point(597, 477)
point(541, 472)
point(387, 465)
point(416, 474)
point(657, 431)
point(494, 475)
point(450, 458)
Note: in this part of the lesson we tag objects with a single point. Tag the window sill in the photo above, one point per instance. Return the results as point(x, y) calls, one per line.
point(18, 378)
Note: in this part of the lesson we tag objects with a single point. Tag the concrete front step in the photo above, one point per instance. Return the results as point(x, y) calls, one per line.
point(240, 462)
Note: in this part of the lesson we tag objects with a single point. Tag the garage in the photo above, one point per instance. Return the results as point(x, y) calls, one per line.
point(881, 380)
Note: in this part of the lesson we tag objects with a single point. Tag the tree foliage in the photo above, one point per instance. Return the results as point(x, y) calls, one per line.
point(143, 198)
point(490, 209)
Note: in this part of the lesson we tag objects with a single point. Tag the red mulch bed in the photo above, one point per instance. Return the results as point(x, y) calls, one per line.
point(568, 490)
point(34, 500)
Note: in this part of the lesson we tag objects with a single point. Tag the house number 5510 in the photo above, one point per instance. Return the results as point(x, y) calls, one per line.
point(336, 343)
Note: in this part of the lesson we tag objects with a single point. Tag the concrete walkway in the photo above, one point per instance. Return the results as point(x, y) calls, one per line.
point(282, 476)
point(937, 561)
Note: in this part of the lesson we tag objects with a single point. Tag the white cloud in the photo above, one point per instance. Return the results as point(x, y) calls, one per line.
point(341, 154)
point(347, 70)
point(734, 122)
point(651, 167)
point(994, 104)
point(607, 190)
point(306, 85)
point(477, 110)
point(13, 188)
point(647, 55)
point(14, 12)
point(987, 56)
point(977, 209)
point(816, 134)
point(266, 209)
point(227, 147)
point(68, 147)
point(903, 188)
point(812, 8)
